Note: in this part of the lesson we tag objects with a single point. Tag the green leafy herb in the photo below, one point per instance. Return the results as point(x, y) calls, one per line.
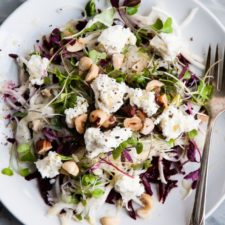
point(25, 152)
point(171, 142)
point(132, 10)
point(187, 75)
point(130, 142)
point(79, 217)
point(88, 179)
point(165, 27)
point(90, 8)
point(145, 165)
point(118, 75)
point(7, 171)
point(20, 114)
point(65, 158)
point(97, 56)
point(47, 81)
point(204, 92)
point(24, 172)
point(192, 134)
point(97, 193)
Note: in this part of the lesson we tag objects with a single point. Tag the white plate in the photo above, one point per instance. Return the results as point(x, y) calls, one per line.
point(38, 17)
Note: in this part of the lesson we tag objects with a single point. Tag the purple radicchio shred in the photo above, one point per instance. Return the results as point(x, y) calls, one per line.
point(183, 60)
point(113, 197)
point(131, 3)
point(14, 56)
point(115, 3)
point(184, 70)
point(33, 175)
point(126, 156)
point(164, 189)
point(146, 184)
point(131, 210)
point(81, 25)
point(191, 152)
point(152, 176)
point(128, 110)
point(194, 175)
point(11, 140)
point(55, 37)
point(194, 80)
point(69, 148)
point(44, 187)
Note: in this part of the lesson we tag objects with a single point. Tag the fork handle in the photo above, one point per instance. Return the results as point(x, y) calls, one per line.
point(198, 213)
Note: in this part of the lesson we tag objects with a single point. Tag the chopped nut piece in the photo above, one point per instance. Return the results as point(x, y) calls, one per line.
point(43, 146)
point(77, 46)
point(134, 123)
point(109, 220)
point(80, 123)
point(147, 127)
point(93, 73)
point(117, 60)
point(98, 117)
point(147, 205)
point(71, 168)
point(85, 63)
point(154, 84)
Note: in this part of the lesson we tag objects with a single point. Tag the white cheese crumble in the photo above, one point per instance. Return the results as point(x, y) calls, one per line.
point(129, 188)
point(115, 38)
point(144, 100)
point(80, 108)
point(174, 122)
point(98, 142)
point(37, 68)
point(108, 93)
point(50, 165)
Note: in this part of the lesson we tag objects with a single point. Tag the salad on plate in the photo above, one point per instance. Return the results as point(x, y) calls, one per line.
point(109, 109)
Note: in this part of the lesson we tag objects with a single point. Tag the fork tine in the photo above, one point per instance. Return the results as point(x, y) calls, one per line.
point(208, 61)
point(223, 74)
point(217, 70)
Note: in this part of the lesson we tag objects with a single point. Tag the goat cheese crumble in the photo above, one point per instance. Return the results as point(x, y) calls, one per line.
point(129, 188)
point(115, 38)
point(98, 142)
point(108, 93)
point(37, 68)
point(80, 108)
point(174, 122)
point(144, 100)
point(50, 165)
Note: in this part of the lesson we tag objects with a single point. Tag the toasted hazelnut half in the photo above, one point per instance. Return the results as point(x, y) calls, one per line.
point(43, 146)
point(117, 60)
point(46, 93)
point(71, 168)
point(148, 126)
point(109, 220)
point(147, 206)
point(77, 46)
point(203, 117)
point(162, 99)
point(79, 123)
point(109, 122)
point(134, 123)
point(154, 84)
point(85, 63)
point(98, 117)
point(92, 73)
point(141, 115)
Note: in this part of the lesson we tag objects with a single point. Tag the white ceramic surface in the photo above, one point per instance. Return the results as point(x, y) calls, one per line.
point(19, 33)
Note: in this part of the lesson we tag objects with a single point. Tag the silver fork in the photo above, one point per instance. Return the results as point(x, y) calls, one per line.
point(215, 107)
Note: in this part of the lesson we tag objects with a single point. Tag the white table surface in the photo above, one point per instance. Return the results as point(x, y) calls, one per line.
point(217, 6)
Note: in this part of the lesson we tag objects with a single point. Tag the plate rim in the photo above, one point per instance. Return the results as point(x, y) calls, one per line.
point(200, 5)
